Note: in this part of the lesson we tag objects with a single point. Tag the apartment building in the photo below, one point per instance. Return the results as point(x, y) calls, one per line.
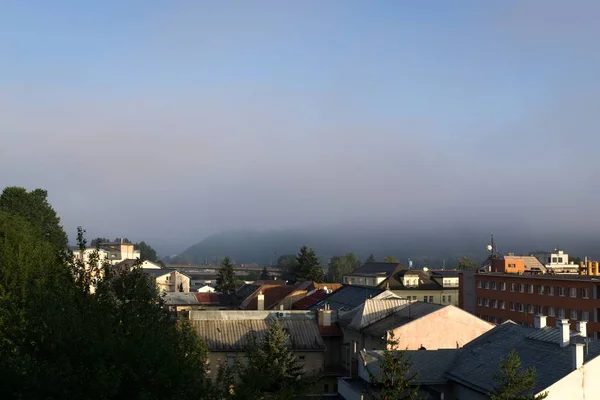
point(502, 296)
point(429, 286)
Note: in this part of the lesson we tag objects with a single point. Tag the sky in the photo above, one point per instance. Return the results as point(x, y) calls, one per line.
point(168, 121)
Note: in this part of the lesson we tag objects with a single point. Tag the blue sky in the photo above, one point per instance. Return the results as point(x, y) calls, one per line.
point(190, 104)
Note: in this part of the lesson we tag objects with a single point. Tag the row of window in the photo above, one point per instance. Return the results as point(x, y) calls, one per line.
point(539, 289)
point(533, 309)
point(429, 299)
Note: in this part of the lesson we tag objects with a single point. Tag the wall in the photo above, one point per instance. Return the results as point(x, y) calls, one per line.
point(466, 295)
point(170, 282)
point(543, 301)
point(445, 296)
point(363, 280)
point(447, 328)
point(579, 384)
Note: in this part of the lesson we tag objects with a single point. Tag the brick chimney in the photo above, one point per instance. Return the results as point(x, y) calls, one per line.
point(539, 321)
point(582, 328)
point(565, 331)
point(577, 355)
point(260, 301)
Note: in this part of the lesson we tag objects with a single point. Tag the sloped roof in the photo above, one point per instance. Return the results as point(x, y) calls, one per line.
point(347, 297)
point(531, 263)
point(371, 311)
point(430, 365)
point(402, 316)
point(310, 300)
point(395, 281)
point(478, 361)
point(158, 272)
point(386, 268)
point(235, 335)
point(273, 295)
point(194, 298)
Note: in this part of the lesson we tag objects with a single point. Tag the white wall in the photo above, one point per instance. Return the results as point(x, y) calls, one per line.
point(581, 384)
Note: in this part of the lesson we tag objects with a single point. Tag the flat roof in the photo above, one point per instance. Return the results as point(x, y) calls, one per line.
point(559, 277)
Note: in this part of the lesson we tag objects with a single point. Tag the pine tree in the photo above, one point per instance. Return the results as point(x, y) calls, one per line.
point(395, 381)
point(371, 259)
point(264, 275)
point(513, 383)
point(225, 278)
point(308, 268)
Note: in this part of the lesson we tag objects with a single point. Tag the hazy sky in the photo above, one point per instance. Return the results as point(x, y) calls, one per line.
point(171, 120)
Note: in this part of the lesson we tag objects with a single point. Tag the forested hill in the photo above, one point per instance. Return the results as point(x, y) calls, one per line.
point(431, 248)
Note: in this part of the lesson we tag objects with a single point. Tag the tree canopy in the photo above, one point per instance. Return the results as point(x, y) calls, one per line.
point(146, 252)
point(370, 259)
point(391, 259)
point(342, 265)
point(466, 263)
point(514, 383)
point(226, 278)
point(264, 274)
point(308, 268)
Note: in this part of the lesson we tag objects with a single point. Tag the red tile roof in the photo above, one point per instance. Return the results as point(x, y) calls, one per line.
point(207, 298)
point(273, 295)
point(308, 301)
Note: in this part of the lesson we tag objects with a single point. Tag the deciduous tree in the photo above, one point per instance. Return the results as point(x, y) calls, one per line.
point(370, 259)
point(391, 259)
point(342, 265)
point(514, 383)
point(226, 278)
point(466, 263)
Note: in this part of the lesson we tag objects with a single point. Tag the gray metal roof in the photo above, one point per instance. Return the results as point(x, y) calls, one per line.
point(478, 361)
point(377, 267)
point(235, 334)
point(348, 297)
point(402, 316)
point(430, 365)
point(158, 272)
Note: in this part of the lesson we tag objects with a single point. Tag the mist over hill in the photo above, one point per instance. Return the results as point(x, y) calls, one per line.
point(433, 248)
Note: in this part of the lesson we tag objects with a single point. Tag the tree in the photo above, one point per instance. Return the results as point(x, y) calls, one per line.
point(36, 210)
point(146, 252)
point(225, 278)
point(513, 383)
point(308, 268)
point(395, 379)
point(371, 259)
point(264, 275)
point(466, 263)
point(342, 265)
point(271, 367)
point(391, 259)
point(96, 242)
point(287, 263)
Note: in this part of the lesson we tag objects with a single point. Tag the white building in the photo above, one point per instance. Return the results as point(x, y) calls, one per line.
point(114, 253)
point(557, 262)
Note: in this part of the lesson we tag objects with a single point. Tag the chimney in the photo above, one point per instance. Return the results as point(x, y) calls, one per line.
point(539, 321)
point(325, 316)
point(260, 301)
point(582, 328)
point(565, 331)
point(577, 355)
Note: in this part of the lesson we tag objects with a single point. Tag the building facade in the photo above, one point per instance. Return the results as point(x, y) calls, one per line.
point(502, 297)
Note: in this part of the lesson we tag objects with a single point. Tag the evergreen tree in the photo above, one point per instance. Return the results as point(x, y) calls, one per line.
point(371, 259)
point(308, 268)
point(146, 252)
point(264, 275)
point(271, 368)
point(225, 278)
point(390, 259)
point(513, 383)
point(394, 381)
point(342, 265)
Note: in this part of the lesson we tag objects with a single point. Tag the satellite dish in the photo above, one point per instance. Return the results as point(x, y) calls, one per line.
point(489, 247)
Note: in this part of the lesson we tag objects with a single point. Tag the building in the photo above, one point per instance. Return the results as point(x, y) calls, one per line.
point(557, 262)
point(372, 273)
point(467, 298)
point(278, 296)
point(226, 333)
point(517, 265)
point(349, 297)
point(501, 297)
point(133, 263)
point(114, 253)
point(430, 286)
point(169, 280)
point(565, 361)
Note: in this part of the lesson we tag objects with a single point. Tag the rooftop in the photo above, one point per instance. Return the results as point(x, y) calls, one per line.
point(395, 282)
point(567, 277)
point(348, 297)
point(402, 316)
point(378, 267)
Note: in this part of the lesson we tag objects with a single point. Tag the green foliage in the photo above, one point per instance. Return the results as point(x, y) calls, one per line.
point(342, 265)
point(394, 381)
point(391, 259)
point(370, 259)
point(513, 383)
point(271, 368)
point(264, 275)
point(60, 341)
point(34, 208)
point(466, 263)
point(308, 268)
point(225, 278)
point(146, 252)
point(98, 241)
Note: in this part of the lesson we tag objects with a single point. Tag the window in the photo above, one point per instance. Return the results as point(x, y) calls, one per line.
point(326, 388)
point(554, 260)
point(585, 316)
point(512, 265)
point(501, 304)
point(302, 358)
point(431, 299)
point(449, 299)
point(511, 305)
point(486, 285)
point(502, 285)
point(529, 288)
point(520, 307)
point(585, 293)
point(512, 287)
point(486, 302)
point(443, 298)
point(230, 361)
point(335, 388)
point(479, 284)
point(541, 289)
point(425, 299)
point(521, 288)
point(537, 309)
point(560, 260)
point(561, 313)
point(561, 291)
point(493, 285)
point(574, 314)
point(530, 308)
point(573, 292)
point(551, 311)
point(550, 290)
